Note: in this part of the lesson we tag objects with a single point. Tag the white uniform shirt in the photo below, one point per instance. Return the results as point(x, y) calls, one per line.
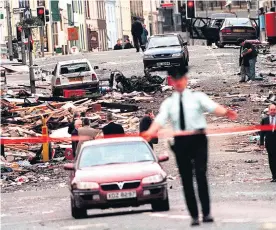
point(195, 104)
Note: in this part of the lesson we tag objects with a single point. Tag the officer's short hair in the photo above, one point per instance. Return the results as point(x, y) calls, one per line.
point(109, 116)
point(148, 111)
point(86, 122)
point(177, 73)
point(240, 41)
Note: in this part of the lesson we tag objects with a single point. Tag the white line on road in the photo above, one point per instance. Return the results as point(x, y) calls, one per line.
point(87, 226)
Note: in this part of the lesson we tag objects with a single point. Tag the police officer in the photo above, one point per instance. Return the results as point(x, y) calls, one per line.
point(185, 109)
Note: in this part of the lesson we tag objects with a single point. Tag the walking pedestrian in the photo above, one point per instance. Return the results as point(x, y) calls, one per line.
point(268, 139)
point(145, 35)
point(145, 123)
point(185, 109)
point(248, 54)
point(75, 133)
point(86, 131)
point(137, 31)
point(112, 128)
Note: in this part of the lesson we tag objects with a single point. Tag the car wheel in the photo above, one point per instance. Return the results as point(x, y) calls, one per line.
point(77, 213)
point(209, 43)
point(161, 205)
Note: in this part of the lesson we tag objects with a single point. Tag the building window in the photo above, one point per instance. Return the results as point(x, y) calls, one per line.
point(87, 9)
point(40, 2)
point(24, 4)
point(55, 33)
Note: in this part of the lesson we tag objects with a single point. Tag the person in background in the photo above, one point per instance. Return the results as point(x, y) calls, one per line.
point(128, 45)
point(185, 109)
point(145, 123)
point(248, 54)
point(145, 35)
point(268, 139)
point(75, 133)
point(71, 125)
point(137, 31)
point(112, 128)
point(86, 131)
point(118, 46)
point(244, 64)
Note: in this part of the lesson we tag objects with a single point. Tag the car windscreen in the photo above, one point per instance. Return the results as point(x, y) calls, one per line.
point(237, 22)
point(115, 153)
point(163, 41)
point(74, 68)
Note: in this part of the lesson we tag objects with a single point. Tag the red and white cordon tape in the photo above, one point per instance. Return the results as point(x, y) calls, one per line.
point(163, 134)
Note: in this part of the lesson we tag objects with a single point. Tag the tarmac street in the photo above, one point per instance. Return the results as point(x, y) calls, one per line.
point(241, 193)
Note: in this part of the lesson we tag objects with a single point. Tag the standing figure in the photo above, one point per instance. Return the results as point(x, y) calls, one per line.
point(75, 133)
point(112, 128)
point(185, 109)
point(145, 35)
point(145, 123)
point(137, 31)
point(268, 139)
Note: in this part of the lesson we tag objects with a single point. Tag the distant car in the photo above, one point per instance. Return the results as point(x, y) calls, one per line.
point(117, 172)
point(3, 75)
point(234, 28)
point(166, 50)
point(214, 26)
point(74, 74)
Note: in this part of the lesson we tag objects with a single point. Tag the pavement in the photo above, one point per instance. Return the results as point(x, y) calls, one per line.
point(242, 196)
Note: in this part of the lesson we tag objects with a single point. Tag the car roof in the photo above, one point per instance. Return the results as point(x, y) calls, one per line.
point(105, 141)
point(73, 61)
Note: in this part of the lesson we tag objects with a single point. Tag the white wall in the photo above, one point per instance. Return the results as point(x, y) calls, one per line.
point(111, 24)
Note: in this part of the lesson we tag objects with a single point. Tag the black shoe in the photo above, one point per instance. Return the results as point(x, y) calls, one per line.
point(241, 81)
point(195, 222)
point(208, 219)
point(273, 180)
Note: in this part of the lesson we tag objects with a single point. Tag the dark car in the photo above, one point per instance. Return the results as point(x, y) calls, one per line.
point(117, 172)
point(211, 31)
point(166, 50)
point(235, 28)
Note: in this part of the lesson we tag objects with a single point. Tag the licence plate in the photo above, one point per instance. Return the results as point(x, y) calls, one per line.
point(239, 31)
point(72, 79)
point(121, 195)
point(163, 63)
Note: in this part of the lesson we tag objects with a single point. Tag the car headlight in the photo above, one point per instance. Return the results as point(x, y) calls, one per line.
point(87, 185)
point(148, 56)
point(177, 55)
point(153, 179)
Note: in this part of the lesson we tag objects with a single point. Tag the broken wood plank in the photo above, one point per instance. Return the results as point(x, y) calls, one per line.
point(122, 107)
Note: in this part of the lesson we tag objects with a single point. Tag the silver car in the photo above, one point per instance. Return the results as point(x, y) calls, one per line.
point(72, 75)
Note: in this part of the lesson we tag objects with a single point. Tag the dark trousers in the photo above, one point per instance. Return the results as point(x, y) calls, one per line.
point(191, 153)
point(137, 42)
point(271, 150)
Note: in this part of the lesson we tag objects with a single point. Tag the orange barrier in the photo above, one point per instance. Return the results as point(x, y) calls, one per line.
point(168, 134)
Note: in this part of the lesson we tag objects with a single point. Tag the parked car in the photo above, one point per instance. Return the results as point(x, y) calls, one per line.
point(117, 172)
point(234, 28)
point(74, 74)
point(165, 50)
point(214, 26)
point(3, 75)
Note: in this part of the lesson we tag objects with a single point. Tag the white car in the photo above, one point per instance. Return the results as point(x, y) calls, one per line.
point(74, 74)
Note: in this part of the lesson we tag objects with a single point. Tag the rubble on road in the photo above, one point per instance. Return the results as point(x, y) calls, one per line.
point(21, 116)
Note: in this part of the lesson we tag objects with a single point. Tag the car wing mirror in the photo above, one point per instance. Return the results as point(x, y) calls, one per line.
point(96, 67)
point(69, 167)
point(185, 43)
point(163, 158)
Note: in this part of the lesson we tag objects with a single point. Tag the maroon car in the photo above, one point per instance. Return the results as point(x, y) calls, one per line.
point(117, 172)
